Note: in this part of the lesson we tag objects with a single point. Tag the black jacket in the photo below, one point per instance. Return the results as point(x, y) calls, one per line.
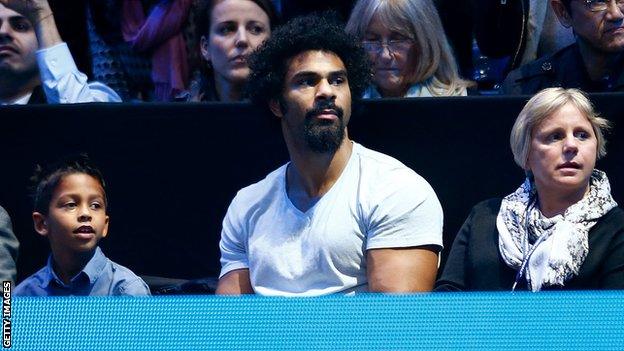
point(475, 264)
point(566, 69)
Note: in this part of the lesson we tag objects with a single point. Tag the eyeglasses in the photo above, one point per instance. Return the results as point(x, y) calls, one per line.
point(394, 45)
point(602, 5)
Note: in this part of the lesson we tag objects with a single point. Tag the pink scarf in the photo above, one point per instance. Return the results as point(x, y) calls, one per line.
point(160, 33)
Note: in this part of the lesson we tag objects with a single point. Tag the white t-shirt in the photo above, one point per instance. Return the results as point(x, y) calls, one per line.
point(377, 202)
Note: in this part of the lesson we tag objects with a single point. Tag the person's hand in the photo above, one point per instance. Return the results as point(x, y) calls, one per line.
point(34, 10)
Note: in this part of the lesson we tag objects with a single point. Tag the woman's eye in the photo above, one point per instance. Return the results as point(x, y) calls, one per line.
point(256, 29)
point(555, 137)
point(70, 205)
point(225, 29)
point(582, 135)
point(96, 206)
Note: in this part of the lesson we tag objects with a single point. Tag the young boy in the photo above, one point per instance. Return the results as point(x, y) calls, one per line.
point(70, 210)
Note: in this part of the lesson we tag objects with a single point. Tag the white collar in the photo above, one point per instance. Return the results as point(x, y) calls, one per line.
point(22, 100)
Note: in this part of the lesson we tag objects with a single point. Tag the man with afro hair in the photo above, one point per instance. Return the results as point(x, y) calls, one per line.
point(337, 218)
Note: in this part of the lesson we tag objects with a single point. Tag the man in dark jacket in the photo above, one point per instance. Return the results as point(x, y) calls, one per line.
point(594, 63)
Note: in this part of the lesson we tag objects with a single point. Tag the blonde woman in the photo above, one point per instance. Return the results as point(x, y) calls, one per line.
point(406, 43)
point(561, 229)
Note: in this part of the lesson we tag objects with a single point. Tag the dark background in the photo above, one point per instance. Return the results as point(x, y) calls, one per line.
point(172, 169)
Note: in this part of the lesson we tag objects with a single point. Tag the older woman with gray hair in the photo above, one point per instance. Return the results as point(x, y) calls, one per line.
point(406, 43)
point(561, 229)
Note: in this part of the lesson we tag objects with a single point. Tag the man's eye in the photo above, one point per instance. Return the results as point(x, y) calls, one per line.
point(21, 26)
point(338, 80)
point(307, 82)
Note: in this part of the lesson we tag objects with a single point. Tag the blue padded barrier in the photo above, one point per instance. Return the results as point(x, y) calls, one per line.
point(527, 321)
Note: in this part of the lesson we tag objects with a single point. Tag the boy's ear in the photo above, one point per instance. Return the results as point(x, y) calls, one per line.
point(105, 229)
point(40, 223)
point(276, 108)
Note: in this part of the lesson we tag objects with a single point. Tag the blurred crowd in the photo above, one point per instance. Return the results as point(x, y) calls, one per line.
point(197, 50)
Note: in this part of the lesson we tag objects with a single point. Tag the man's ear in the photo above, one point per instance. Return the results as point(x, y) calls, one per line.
point(204, 48)
point(105, 229)
point(276, 108)
point(40, 223)
point(562, 13)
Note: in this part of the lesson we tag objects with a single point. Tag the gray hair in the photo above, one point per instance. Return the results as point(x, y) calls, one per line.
point(543, 105)
point(419, 21)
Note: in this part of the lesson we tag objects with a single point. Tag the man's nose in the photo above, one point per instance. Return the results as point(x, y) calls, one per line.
point(614, 12)
point(325, 90)
point(5, 30)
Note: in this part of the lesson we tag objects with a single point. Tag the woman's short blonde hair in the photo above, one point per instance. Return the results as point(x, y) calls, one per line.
point(543, 105)
point(419, 21)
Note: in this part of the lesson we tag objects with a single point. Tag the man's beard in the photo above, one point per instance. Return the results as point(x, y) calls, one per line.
point(324, 136)
point(13, 81)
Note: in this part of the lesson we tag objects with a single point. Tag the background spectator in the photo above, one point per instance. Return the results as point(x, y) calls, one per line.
point(229, 30)
point(594, 63)
point(407, 46)
point(36, 65)
point(114, 61)
point(159, 32)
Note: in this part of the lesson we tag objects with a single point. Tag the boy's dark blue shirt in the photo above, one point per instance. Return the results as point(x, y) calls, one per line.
point(100, 277)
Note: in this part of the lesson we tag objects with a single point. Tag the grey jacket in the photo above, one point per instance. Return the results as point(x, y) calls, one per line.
point(8, 248)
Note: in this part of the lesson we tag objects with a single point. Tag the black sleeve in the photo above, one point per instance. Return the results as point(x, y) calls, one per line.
point(613, 277)
point(8, 248)
point(453, 276)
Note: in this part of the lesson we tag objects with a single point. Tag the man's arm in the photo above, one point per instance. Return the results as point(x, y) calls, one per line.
point(235, 282)
point(402, 270)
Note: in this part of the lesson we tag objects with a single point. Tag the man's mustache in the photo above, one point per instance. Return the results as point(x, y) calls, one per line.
point(322, 106)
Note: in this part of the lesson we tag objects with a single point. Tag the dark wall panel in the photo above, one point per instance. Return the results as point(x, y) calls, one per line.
point(173, 169)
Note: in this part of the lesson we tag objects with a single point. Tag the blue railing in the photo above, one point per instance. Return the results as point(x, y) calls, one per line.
point(527, 321)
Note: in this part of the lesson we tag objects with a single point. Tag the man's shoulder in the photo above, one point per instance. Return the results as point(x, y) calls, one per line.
point(539, 74)
point(269, 186)
point(385, 168)
point(378, 160)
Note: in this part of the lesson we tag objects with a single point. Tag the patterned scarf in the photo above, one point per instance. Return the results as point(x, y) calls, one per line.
point(549, 251)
